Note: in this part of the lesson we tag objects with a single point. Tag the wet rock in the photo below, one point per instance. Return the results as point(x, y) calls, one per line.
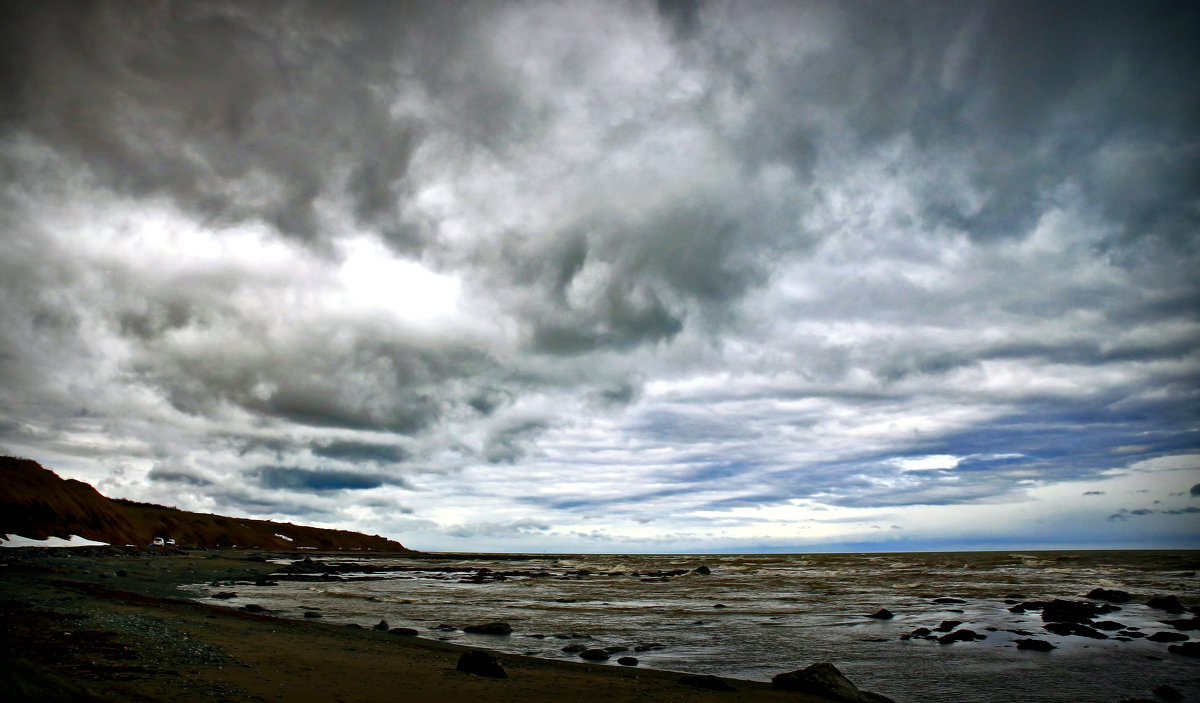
point(1034, 645)
point(574, 648)
point(1108, 625)
point(1183, 623)
point(1187, 649)
point(649, 646)
point(919, 633)
point(481, 664)
point(445, 628)
point(381, 626)
point(703, 570)
point(1131, 633)
point(403, 631)
point(961, 636)
point(706, 681)
point(225, 595)
point(354, 626)
point(948, 601)
point(491, 628)
point(882, 614)
point(1074, 611)
point(311, 614)
point(1168, 637)
point(628, 661)
point(1110, 595)
point(947, 625)
point(1168, 692)
point(1027, 605)
point(1170, 604)
point(824, 679)
point(616, 649)
point(594, 655)
point(720, 605)
point(1137, 699)
point(1076, 629)
point(253, 608)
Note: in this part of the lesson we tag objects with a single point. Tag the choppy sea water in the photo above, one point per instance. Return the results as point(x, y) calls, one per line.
point(783, 612)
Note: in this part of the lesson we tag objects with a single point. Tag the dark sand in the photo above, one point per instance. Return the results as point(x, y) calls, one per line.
point(74, 629)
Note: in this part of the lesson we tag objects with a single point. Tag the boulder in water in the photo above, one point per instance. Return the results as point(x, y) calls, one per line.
point(628, 661)
point(481, 664)
point(947, 625)
point(1187, 649)
point(882, 614)
point(1074, 611)
point(597, 655)
point(824, 679)
point(1170, 604)
point(1074, 628)
point(1168, 692)
point(491, 628)
point(702, 570)
point(381, 626)
point(961, 636)
point(1168, 637)
point(1183, 623)
point(1034, 645)
point(1111, 595)
point(403, 631)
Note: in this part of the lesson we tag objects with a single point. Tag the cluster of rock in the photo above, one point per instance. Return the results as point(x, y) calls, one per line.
point(944, 633)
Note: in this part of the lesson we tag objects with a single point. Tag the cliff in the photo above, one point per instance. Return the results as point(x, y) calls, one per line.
point(35, 502)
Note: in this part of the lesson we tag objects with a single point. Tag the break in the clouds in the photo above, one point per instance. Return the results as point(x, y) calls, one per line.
point(606, 276)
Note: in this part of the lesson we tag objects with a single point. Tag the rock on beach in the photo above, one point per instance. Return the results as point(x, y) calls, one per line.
point(824, 679)
point(481, 664)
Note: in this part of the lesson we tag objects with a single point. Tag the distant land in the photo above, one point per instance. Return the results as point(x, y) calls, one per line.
point(35, 502)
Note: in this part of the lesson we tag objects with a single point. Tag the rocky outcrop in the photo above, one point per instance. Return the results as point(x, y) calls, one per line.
point(824, 679)
point(481, 664)
point(1074, 611)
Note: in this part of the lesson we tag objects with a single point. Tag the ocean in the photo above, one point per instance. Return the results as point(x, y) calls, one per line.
point(754, 616)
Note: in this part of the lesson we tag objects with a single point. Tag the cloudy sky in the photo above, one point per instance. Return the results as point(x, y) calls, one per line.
point(612, 276)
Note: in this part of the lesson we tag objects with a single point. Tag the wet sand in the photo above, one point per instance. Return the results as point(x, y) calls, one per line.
point(81, 623)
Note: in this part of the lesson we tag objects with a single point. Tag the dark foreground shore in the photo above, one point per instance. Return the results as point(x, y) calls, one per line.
point(102, 624)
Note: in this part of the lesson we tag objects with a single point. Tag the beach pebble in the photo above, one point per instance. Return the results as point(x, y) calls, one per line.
point(481, 664)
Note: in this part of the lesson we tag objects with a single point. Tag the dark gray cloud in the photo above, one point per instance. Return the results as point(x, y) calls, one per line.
point(614, 272)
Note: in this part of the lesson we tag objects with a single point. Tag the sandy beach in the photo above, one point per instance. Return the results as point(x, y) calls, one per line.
point(97, 624)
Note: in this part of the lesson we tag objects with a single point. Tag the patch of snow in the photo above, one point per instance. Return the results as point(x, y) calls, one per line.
point(72, 541)
point(284, 537)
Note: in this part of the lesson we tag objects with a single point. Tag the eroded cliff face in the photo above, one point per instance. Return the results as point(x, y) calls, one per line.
point(35, 502)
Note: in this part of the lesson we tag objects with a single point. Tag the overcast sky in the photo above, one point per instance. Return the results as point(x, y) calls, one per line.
point(612, 276)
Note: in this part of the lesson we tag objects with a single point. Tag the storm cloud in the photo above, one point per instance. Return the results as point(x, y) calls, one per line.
point(632, 276)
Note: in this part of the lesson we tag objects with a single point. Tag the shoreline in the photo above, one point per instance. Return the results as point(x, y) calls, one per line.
point(103, 623)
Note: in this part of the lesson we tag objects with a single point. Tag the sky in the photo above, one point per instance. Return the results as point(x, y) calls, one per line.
point(612, 276)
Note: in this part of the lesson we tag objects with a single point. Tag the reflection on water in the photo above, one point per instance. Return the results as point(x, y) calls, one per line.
point(755, 616)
